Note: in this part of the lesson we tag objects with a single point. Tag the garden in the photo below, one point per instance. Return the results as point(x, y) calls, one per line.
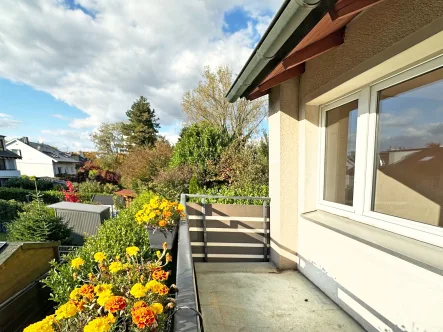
point(117, 281)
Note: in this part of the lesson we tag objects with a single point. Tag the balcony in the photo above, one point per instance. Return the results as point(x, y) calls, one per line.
point(9, 173)
point(228, 284)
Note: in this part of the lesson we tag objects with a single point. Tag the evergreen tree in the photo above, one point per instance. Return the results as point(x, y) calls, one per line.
point(142, 127)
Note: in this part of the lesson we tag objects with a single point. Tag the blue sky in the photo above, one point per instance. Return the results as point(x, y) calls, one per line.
point(66, 69)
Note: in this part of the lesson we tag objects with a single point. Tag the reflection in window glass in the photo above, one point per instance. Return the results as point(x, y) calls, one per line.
point(409, 160)
point(341, 130)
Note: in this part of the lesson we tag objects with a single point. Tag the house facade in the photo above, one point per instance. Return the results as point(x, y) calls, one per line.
point(356, 133)
point(8, 166)
point(41, 160)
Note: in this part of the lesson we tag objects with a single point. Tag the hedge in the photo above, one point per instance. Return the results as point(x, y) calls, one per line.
point(9, 211)
point(48, 197)
point(252, 190)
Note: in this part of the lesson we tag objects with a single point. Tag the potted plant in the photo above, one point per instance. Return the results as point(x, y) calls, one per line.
point(161, 218)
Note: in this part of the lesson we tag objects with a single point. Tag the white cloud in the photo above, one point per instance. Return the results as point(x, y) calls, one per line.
point(59, 116)
point(102, 64)
point(67, 139)
point(7, 121)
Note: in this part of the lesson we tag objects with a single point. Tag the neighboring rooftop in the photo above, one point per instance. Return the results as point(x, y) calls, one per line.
point(55, 154)
point(79, 207)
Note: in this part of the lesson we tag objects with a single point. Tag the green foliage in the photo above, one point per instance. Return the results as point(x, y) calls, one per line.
point(193, 185)
point(89, 187)
point(141, 164)
point(22, 195)
point(109, 188)
point(242, 165)
point(109, 142)
point(38, 223)
point(9, 210)
point(172, 182)
point(251, 190)
point(200, 145)
point(142, 127)
point(112, 238)
point(26, 182)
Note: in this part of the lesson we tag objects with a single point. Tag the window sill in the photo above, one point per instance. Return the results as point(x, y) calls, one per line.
point(425, 255)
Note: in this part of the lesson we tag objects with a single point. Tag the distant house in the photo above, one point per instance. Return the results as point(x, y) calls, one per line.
point(38, 159)
point(8, 167)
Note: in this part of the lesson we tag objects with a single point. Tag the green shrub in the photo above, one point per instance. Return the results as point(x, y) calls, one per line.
point(109, 188)
point(251, 190)
point(112, 238)
point(9, 211)
point(38, 223)
point(89, 187)
point(23, 195)
point(26, 182)
point(172, 182)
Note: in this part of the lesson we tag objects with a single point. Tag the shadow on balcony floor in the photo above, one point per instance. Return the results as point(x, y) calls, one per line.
point(255, 297)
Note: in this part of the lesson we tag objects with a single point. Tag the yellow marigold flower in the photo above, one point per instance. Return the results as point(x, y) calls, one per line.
point(100, 324)
point(158, 253)
point(104, 296)
point(115, 267)
point(77, 262)
point(132, 251)
point(157, 308)
point(180, 207)
point(101, 288)
point(42, 326)
point(99, 257)
point(138, 290)
point(111, 318)
point(152, 284)
point(67, 310)
point(165, 246)
point(75, 294)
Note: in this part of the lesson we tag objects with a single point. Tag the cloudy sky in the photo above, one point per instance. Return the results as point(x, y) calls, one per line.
point(68, 65)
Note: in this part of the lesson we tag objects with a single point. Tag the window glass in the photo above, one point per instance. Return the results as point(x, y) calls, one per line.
point(2, 145)
point(341, 135)
point(2, 164)
point(409, 157)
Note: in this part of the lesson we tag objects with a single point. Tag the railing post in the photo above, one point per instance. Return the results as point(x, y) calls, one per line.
point(265, 231)
point(205, 235)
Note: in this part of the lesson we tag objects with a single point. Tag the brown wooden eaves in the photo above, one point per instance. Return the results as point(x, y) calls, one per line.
point(315, 49)
point(349, 7)
point(282, 77)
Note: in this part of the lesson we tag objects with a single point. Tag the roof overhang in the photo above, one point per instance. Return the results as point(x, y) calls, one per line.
point(301, 30)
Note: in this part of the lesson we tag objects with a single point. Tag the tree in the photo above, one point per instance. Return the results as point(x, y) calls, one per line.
point(109, 143)
point(38, 223)
point(208, 103)
point(200, 145)
point(142, 127)
point(142, 164)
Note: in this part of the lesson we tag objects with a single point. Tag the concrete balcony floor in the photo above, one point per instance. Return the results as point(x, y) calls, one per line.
point(256, 297)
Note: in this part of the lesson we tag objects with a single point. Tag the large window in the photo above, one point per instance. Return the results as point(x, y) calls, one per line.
point(2, 164)
point(389, 172)
point(341, 135)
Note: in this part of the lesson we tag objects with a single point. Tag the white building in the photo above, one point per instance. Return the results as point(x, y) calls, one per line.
point(8, 167)
point(41, 160)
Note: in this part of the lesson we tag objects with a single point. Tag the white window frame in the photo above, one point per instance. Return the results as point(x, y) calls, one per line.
point(365, 160)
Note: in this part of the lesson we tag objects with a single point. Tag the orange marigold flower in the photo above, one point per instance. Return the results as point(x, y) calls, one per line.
point(143, 317)
point(161, 289)
point(168, 257)
point(160, 275)
point(162, 223)
point(87, 291)
point(139, 304)
point(115, 303)
point(79, 304)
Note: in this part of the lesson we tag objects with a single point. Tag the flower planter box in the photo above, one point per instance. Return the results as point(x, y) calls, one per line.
point(159, 236)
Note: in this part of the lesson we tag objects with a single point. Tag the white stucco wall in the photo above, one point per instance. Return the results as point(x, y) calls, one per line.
point(405, 295)
point(33, 162)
